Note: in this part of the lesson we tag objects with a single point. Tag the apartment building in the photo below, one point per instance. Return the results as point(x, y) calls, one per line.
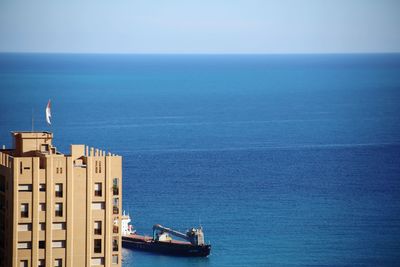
point(57, 209)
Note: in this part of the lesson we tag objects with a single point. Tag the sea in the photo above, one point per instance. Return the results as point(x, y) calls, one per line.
point(284, 160)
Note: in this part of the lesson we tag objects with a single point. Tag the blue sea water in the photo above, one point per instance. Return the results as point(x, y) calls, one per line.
point(285, 160)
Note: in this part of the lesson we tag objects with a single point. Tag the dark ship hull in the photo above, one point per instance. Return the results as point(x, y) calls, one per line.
point(174, 247)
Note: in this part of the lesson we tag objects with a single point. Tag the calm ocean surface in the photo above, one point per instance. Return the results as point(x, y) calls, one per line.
point(284, 160)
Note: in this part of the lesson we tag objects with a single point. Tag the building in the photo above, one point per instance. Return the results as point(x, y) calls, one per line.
point(56, 209)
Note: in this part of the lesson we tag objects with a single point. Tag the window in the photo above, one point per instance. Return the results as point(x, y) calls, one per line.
point(20, 167)
point(97, 189)
point(97, 166)
point(115, 187)
point(42, 226)
point(2, 183)
point(41, 263)
point(115, 259)
point(42, 163)
point(115, 206)
point(98, 206)
point(2, 202)
point(115, 244)
point(97, 261)
point(42, 206)
point(23, 245)
point(24, 210)
point(58, 226)
point(58, 244)
point(42, 187)
point(58, 190)
point(115, 226)
point(59, 210)
point(59, 170)
point(25, 188)
point(23, 263)
point(58, 263)
point(97, 227)
point(42, 244)
point(44, 148)
point(24, 227)
point(2, 227)
point(97, 246)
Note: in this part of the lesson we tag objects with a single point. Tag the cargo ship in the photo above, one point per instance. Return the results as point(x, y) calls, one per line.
point(191, 245)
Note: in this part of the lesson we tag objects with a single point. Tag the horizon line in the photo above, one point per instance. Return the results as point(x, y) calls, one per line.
point(201, 53)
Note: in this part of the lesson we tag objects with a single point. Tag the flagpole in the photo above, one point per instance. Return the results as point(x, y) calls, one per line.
point(32, 121)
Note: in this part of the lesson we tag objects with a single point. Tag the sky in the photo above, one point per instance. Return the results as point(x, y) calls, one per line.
point(203, 26)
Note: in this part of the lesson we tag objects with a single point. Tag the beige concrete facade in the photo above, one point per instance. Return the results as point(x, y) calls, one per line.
point(56, 209)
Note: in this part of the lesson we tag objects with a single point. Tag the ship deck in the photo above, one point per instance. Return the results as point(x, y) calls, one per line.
point(144, 238)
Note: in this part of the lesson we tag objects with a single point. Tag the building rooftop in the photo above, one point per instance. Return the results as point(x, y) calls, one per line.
point(30, 143)
point(40, 143)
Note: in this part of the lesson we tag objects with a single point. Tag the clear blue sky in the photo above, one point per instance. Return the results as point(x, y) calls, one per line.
point(206, 26)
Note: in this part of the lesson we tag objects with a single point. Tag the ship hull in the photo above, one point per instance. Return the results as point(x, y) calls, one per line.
point(175, 248)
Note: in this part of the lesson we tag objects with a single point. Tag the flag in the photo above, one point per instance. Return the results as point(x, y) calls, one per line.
point(48, 112)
